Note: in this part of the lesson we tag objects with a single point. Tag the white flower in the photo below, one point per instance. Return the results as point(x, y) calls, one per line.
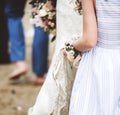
point(42, 13)
point(71, 52)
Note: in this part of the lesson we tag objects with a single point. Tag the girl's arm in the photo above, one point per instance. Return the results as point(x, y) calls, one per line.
point(89, 37)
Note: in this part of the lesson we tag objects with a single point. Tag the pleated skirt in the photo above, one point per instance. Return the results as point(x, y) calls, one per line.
point(96, 90)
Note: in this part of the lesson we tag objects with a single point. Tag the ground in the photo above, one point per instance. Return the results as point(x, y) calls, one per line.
point(17, 96)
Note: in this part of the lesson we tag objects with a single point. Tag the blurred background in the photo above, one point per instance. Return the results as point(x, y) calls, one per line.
point(17, 96)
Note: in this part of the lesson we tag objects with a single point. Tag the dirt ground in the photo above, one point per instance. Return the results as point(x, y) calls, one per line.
point(16, 97)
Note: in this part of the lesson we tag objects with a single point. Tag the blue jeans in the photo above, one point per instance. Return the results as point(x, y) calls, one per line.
point(14, 10)
point(17, 42)
point(40, 52)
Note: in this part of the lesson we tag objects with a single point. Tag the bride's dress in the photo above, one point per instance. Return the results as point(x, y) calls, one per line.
point(53, 98)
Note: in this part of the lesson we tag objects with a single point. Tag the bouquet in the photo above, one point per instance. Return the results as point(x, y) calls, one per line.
point(44, 16)
point(73, 55)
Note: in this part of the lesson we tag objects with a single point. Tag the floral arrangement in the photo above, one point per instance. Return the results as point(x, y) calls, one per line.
point(72, 54)
point(44, 16)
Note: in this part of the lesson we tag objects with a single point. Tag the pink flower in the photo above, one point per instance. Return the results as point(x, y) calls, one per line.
point(39, 22)
point(52, 25)
point(48, 6)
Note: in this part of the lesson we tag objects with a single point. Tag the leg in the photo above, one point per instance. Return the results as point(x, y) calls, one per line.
point(16, 36)
point(17, 43)
point(40, 53)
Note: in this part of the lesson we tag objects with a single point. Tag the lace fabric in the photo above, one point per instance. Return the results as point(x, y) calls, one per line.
point(53, 98)
point(63, 74)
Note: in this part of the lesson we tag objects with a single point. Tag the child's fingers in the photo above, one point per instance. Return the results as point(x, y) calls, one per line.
point(64, 52)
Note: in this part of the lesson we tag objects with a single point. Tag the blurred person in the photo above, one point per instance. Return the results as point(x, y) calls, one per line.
point(53, 98)
point(14, 10)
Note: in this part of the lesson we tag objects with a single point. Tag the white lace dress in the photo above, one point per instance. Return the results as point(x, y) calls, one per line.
point(53, 98)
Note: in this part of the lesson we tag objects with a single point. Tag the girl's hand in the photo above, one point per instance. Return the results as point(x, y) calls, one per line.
point(69, 57)
point(64, 52)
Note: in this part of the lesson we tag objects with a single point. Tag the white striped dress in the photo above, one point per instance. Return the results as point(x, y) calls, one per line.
point(96, 89)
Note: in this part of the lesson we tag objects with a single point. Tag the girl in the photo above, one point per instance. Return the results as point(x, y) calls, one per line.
point(96, 89)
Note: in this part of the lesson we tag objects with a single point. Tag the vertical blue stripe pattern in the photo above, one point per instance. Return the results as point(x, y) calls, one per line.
point(96, 89)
